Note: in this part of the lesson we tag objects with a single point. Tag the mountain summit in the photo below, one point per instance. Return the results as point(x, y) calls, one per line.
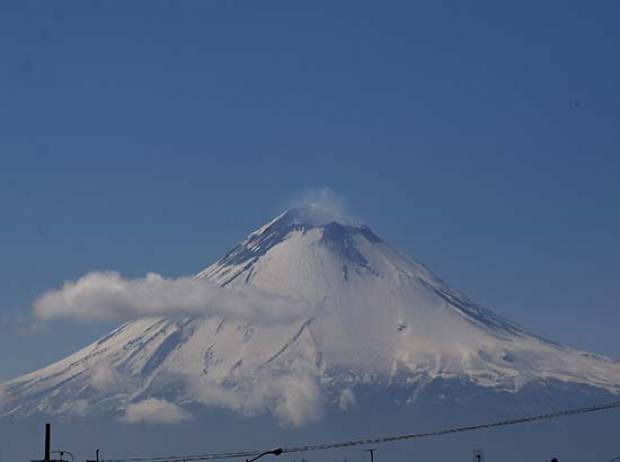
point(376, 322)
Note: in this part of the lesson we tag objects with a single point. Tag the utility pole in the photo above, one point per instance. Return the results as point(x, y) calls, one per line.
point(47, 453)
point(96, 457)
point(372, 453)
point(48, 442)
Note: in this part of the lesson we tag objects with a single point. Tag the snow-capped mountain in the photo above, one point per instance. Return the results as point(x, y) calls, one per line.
point(376, 320)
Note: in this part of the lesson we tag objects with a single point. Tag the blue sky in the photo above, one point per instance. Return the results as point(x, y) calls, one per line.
point(480, 138)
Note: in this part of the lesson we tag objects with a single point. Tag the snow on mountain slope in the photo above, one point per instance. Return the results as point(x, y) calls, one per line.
point(377, 318)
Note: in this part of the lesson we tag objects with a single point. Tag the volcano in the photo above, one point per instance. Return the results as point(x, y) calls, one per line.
point(379, 325)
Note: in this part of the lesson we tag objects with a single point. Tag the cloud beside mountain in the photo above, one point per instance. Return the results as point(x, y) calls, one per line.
point(155, 411)
point(107, 296)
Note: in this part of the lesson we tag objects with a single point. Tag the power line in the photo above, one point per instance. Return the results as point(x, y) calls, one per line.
point(377, 440)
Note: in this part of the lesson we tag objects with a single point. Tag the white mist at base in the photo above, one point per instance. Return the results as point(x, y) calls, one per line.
point(155, 411)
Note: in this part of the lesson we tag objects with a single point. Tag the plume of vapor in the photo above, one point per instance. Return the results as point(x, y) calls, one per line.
point(326, 199)
point(107, 296)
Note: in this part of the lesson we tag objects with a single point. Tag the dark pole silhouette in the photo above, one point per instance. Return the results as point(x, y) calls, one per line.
point(273, 452)
point(48, 444)
point(372, 453)
point(96, 457)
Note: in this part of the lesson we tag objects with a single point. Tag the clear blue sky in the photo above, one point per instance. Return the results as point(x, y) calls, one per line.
point(482, 138)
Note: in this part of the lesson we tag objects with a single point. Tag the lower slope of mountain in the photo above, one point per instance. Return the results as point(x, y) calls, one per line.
point(379, 327)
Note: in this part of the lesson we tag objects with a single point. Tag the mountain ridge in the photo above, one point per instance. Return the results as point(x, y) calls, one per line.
point(377, 320)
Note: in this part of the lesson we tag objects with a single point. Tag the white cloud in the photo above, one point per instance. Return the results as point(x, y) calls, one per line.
point(294, 398)
point(105, 378)
point(346, 399)
point(107, 296)
point(299, 402)
point(155, 411)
